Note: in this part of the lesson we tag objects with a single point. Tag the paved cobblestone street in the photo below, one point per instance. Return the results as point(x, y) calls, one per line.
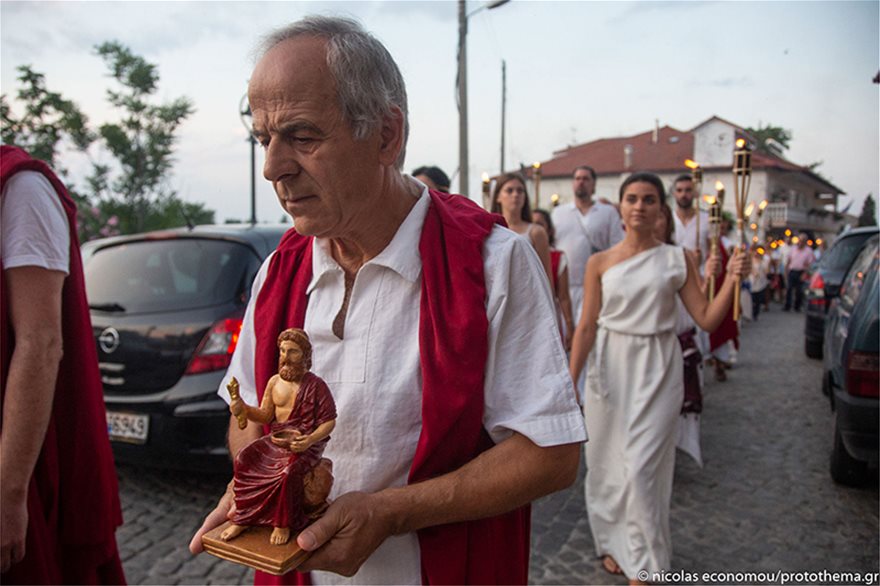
point(763, 502)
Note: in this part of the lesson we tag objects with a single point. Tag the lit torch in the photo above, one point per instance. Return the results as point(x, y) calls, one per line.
point(486, 197)
point(537, 168)
point(697, 173)
point(742, 179)
point(714, 204)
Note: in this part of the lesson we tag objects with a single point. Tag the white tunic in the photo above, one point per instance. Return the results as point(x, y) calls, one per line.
point(375, 377)
point(33, 225)
point(634, 395)
point(579, 236)
point(686, 233)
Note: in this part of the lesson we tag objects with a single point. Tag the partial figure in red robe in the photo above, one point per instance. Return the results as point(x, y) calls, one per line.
point(273, 471)
point(59, 498)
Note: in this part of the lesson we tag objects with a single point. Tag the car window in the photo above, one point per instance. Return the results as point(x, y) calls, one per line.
point(843, 252)
point(854, 281)
point(168, 275)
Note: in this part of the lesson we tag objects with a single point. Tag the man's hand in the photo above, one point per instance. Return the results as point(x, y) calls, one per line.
point(215, 518)
point(348, 533)
point(13, 529)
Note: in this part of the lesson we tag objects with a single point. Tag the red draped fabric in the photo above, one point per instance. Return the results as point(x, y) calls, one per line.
point(728, 329)
point(73, 497)
point(453, 345)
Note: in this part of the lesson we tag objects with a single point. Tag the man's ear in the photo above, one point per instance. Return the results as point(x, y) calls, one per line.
point(391, 137)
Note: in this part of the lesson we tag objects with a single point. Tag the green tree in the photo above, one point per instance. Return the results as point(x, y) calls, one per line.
point(771, 139)
point(142, 142)
point(868, 217)
point(47, 120)
point(129, 194)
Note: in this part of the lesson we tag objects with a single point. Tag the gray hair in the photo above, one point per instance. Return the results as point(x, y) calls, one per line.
point(368, 81)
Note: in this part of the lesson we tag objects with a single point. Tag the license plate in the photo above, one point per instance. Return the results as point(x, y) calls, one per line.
point(127, 427)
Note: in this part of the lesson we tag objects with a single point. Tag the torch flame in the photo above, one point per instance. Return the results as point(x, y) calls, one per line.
point(719, 186)
point(709, 199)
point(691, 164)
point(762, 205)
point(740, 143)
point(750, 208)
point(554, 199)
point(485, 177)
point(537, 165)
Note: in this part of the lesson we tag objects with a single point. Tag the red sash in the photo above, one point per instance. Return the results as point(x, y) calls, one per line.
point(727, 330)
point(453, 345)
point(73, 498)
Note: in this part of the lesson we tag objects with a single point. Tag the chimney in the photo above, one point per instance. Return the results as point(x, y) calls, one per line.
point(656, 136)
point(627, 157)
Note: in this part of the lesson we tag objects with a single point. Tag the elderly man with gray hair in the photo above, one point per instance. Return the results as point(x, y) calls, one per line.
point(433, 326)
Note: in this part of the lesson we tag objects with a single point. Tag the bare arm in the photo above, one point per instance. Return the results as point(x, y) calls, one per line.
point(585, 334)
point(34, 297)
point(565, 305)
point(304, 442)
point(238, 439)
point(265, 413)
point(541, 243)
point(509, 475)
point(709, 315)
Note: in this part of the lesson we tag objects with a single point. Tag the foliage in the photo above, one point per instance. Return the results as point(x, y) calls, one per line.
point(771, 139)
point(130, 193)
point(142, 142)
point(868, 217)
point(47, 120)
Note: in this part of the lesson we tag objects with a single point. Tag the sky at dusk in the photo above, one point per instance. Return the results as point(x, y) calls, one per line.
point(576, 72)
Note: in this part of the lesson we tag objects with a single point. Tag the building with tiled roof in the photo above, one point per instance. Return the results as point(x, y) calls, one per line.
point(799, 199)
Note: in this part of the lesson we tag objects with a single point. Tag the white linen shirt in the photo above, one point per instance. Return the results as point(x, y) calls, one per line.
point(686, 234)
point(579, 236)
point(375, 377)
point(34, 230)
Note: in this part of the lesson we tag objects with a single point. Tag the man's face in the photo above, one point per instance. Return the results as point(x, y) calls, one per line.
point(583, 185)
point(323, 177)
point(291, 366)
point(684, 193)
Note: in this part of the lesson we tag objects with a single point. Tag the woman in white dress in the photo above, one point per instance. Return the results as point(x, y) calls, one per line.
point(511, 200)
point(634, 379)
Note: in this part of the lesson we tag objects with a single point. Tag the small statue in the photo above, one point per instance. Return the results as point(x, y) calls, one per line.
point(280, 479)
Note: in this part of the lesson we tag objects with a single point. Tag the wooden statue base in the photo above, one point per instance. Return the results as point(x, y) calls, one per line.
point(252, 549)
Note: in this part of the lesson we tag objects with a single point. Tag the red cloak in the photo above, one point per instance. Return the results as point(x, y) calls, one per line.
point(453, 345)
point(73, 496)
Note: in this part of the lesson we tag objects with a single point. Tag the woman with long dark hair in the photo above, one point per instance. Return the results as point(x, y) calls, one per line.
point(511, 200)
point(634, 379)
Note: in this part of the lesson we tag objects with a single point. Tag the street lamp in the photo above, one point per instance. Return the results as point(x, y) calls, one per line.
point(463, 17)
point(247, 120)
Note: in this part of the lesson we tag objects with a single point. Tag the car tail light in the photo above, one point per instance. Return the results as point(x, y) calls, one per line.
point(817, 285)
point(215, 350)
point(863, 374)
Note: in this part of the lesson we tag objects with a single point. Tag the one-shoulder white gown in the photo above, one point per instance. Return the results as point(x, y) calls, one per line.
point(633, 399)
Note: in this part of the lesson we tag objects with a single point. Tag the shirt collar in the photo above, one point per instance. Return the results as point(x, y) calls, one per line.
point(401, 255)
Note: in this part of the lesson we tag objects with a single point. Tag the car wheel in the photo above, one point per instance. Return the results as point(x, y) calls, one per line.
point(813, 348)
point(845, 469)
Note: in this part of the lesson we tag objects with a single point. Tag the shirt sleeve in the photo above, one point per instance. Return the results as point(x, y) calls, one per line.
point(241, 366)
point(527, 388)
point(35, 230)
point(615, 227)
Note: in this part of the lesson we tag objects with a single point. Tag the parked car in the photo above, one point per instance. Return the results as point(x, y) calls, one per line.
point(824, 284)
point(852, 368)
point(166, 310)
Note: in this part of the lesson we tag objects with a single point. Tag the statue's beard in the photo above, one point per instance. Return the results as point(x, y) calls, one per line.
point(291, 371)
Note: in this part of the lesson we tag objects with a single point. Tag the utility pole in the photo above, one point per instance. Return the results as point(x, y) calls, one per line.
point(463, 185)
point(503, 108)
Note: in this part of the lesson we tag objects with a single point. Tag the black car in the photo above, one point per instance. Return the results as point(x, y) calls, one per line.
point(166, 310)
point(824, 284)
point(852, 368)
